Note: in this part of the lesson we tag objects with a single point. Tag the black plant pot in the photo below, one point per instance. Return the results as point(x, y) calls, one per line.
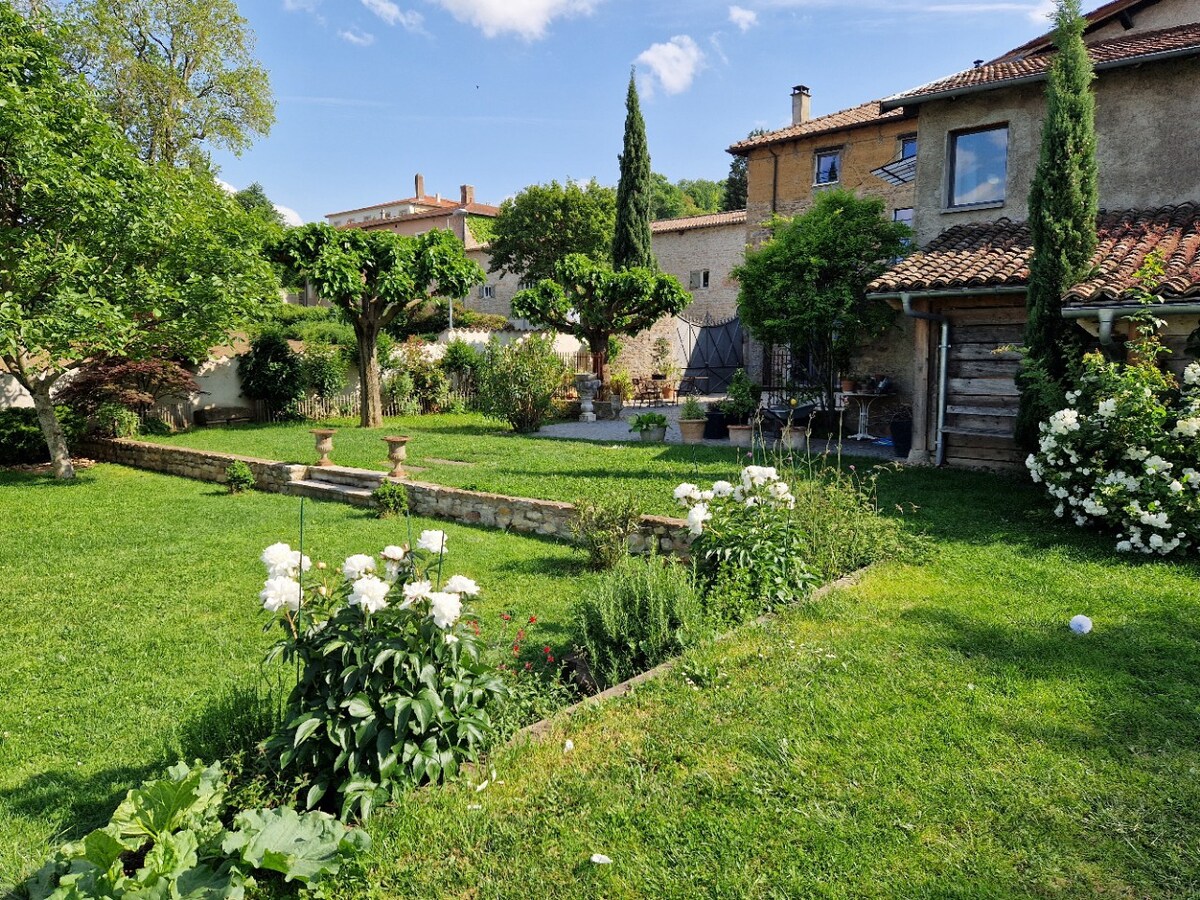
point(715, 426)
point(902, 439)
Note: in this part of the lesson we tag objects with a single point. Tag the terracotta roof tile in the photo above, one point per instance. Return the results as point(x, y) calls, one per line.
point(1117, 51)
point(436, 202)
point(1097, 18)
point(855, 117)
point(997, 254)
point(688, 223)
point(475, 209)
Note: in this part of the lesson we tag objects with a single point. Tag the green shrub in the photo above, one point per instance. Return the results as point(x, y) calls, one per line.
point(21, 441)
point(323, 369)
point(392, 690)
point(517, 382)
point(333, 334)
point(176, 837)
point(643, 612)
point(391, 500)
point(399, 387)
point(238, 477)
point(462, 359)
point(156, 426)
point(603, 527)
point(116, 421)
point(272, 372)
point(287, 314)
point(430, 386)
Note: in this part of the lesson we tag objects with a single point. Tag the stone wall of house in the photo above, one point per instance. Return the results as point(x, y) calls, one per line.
point(521, 514)
point(502, 285)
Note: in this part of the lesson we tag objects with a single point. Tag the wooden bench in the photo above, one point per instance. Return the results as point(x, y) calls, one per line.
point(223, 415)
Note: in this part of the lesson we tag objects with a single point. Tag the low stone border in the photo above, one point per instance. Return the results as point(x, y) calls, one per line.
point(541, 729)
point(520, 514)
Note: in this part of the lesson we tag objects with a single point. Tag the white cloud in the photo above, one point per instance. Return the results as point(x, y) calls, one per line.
point(675, 63)
point(290, 216)
point(226, 186)
point(526, 18)
point(743, 18)
point(357, 36)
point(394, 15)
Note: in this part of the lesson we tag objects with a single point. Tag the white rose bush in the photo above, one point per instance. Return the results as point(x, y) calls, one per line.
point(1124, 455)
point(392, 690)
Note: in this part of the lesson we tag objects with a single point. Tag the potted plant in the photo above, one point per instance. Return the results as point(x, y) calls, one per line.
point(715, 427)
point(849, 383)
point(620, 386)
point(741, 403)
point(670, 373)
point(902, 431)
point(650, 427)
point(692, 421)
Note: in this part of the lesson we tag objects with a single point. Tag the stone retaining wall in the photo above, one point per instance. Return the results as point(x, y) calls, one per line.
point(520, 514)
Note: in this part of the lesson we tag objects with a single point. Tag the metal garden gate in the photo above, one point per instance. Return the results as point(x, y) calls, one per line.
point(713, 350)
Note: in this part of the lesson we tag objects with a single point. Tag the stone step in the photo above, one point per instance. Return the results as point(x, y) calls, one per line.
point(325, 490)
point(359, 478)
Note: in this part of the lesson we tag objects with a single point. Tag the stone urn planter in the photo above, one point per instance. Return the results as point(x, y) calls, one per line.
point(692, 430)
point(654, 435)
point(741, 435)
point(587, 385)
point(324, 442)
point(794, 437)
point(397, 453)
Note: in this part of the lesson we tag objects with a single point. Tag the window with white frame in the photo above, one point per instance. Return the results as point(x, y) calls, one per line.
point(908, 146)
point(978, 166)
point(827, 167)
point(487, 291)
point(697, 279)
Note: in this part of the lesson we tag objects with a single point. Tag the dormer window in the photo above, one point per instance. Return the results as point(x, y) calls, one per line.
point(978, 166)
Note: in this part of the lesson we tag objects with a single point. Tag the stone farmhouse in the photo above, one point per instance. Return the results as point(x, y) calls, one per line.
point(978, 137)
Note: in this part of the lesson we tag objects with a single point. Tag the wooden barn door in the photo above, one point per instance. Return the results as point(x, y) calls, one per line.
point(981, 397)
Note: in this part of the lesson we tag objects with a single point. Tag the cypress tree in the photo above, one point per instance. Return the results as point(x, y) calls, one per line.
point(1063, 204)
point(635, 192)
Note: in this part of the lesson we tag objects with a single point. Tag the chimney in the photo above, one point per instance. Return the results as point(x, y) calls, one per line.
point(801, 104)
point(979, 64)
point(419, 186)
point(468, 195)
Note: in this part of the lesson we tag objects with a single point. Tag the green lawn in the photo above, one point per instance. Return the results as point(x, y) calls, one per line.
point(471, 452)
point(935, 731)
point(129, 602)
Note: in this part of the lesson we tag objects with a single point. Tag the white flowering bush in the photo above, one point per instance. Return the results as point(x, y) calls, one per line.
point(391, 689)
point(749, 540)
point(1124, 455)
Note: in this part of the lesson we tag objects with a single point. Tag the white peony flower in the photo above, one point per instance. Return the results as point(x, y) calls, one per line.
point(461, 584)
point(1124, 546)
point(281, 560)
point(370, 593)
point(451, 639)
point(722, 488)
point(1191, 375)
point(433, 541)
point(696, 518)
point(393, 553)
point(445, 608)
point(1081, 624)
point(358, 565)
point(1106, 409)
point(418, 590)
point(279, 592)
point(685, 492)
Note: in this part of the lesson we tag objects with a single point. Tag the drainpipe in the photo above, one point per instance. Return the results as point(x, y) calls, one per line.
point(1107, 315)
point(943, 370)
point(774, 178)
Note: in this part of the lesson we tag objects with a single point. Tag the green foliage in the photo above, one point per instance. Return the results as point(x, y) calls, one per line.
point(462, 358)
point(736, 183)
point(176, 75)
point(154, 426)
point(387, 698)
point(648, 422)
point(620, 383)
point(1063, 203)
point(168, 839)
point(687, 197)
point(390, 499)
point(805, 287)
point(137, 384)
point(116, 421)
point(593, 302)
point(518, 381)
point(322, 370)
point(375, 277)
point(238, 477)
point(640, 614)
point(482, 228)
point(545, 222)
point(430, 386)
point(603, 526)
point(631, 248)
point(272, 371)
point(692, 409)
point(21, 440)
point(742, 397)
point(254, 200)
point(432, 317)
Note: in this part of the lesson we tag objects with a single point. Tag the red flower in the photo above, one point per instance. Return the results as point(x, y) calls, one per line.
point(545, 649)
point(549, 659)
point(521, 634)
point(528, 666)
point(533, 620)
point(516, 649)
point(506, 617)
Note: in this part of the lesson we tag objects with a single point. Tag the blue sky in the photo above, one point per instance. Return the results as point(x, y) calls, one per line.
point(505, 93)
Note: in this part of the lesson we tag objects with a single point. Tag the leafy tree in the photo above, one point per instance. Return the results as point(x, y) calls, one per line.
point(631, 239)
point(736, 185)
point(1063, 202)
point(592, 302)
point(272, 372)
point(805, 287)
point(136, 384)
point(545, 222)
point(101, 255)
point(255, 201)
point(705, 196)
point(668, 200)
point(176, 75)
point(376, 277)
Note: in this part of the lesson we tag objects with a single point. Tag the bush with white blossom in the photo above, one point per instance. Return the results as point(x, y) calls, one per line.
point(391, 689)
point(1124, 455)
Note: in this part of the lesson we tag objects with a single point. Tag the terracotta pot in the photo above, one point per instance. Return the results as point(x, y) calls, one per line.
point(692, 430)
point(397, 454)
point(668, 391)
point(654, 435)
point(324, 442)
point(848, 386)
point(741, 435)
point(794, 438)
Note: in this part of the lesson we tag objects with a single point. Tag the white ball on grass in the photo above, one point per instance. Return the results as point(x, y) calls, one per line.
point(1081, 624)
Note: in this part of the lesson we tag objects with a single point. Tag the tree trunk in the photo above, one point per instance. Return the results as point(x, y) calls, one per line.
point(369, 387)
point(599, 350)
point(52, 431)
